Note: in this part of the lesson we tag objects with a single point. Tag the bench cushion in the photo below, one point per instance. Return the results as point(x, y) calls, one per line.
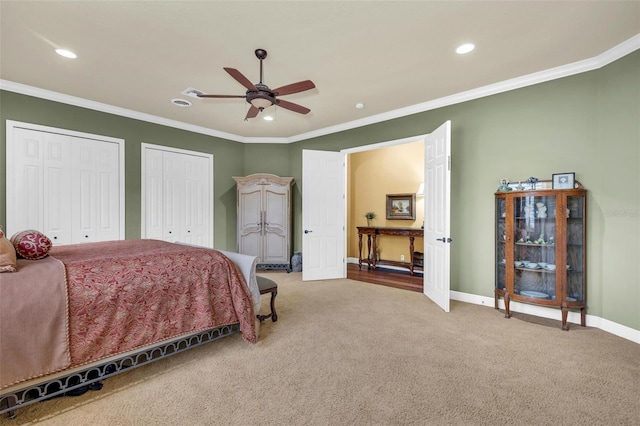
point(266, 285)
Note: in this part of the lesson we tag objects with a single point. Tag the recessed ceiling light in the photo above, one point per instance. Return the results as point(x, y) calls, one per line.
point(465, 48)
point(359, 105)
point(66, 53)
point(181, 103)
point(267, 118)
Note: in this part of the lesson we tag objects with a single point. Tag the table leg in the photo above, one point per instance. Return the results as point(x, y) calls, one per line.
point(374, 256)
point(359, 251)
point(411, 239)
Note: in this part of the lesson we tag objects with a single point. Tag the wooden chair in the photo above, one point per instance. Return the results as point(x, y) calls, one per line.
point(268, 286)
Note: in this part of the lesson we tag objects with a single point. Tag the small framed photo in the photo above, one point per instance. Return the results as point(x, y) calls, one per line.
point(401, 206)
point(563, 180)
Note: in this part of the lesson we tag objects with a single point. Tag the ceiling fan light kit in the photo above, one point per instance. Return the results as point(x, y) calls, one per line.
point(259, 96)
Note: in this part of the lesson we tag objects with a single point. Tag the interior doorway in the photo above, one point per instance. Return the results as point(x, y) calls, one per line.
point(373, 172)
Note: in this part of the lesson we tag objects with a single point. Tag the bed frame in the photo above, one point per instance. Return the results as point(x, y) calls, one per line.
point(67, 381)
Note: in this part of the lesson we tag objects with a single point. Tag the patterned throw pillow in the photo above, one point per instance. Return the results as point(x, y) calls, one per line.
point(7, 254)
point(31, 244)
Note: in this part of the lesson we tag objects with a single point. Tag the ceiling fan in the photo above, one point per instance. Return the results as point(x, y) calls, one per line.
point(260, 96)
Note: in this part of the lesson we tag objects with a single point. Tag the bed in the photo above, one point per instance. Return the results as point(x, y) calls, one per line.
point(89, 311)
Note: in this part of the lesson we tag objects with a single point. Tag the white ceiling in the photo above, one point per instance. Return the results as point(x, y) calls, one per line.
point(389, 55)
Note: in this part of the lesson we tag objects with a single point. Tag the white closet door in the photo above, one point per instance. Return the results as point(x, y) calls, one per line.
point(95, 191)
point(172, 198)
point(177, 195)
point(67, 184)
point(107, 190)
point(57, 188)
point(194, 226)
point(153, 194)
point(25, 156)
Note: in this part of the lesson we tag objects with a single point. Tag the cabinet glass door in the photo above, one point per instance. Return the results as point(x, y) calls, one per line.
point(575, 249)
point(501, 236)
point(534, 249)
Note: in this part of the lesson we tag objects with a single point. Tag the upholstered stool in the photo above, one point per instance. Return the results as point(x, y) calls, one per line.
point(268, 286)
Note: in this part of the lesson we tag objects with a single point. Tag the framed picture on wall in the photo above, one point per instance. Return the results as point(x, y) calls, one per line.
point(401, 206)
point(564, 180)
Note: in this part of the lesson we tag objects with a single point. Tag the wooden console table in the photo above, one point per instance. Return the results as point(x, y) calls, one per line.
point(372, 233)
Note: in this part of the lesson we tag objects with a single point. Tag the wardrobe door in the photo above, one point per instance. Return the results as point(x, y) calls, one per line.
point(250, 221)
point(276, 226)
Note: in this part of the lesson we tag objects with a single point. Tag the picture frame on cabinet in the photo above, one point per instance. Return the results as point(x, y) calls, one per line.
point(565, 180)
point(401, 206)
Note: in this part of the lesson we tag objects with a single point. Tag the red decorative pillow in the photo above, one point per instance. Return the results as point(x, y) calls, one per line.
point(31, 244)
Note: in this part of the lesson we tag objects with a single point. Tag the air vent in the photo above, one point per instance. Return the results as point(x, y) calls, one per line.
point(181, 103)
point(192, 92)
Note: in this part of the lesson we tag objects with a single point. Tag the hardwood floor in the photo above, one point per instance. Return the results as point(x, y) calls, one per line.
point(388, 277)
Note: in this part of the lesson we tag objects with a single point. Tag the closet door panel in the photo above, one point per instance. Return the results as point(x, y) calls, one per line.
point(153, 194)
point(83, 192)
point(26, 209)
point(57, 188)
point(108, 191)
point(196, 178)
point(173, 189)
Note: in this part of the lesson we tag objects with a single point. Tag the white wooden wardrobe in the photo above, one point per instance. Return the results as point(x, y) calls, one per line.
point(264, 219)
point(66, 184)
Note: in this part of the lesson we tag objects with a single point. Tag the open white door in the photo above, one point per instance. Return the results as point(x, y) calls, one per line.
point(323, 215)
point(437, 211)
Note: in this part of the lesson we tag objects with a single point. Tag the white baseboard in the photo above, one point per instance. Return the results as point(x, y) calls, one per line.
point(541, 311)
point(552, 313)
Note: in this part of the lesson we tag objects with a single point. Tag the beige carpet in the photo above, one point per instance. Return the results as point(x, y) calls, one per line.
point(349, 353)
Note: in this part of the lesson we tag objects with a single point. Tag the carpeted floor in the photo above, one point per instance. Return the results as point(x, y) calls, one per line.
point(350, 353)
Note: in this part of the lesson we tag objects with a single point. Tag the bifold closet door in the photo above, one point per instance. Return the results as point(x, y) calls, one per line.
point(95, 191)
point(177, 195)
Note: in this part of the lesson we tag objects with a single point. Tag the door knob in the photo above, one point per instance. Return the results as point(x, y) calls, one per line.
point(306, 231)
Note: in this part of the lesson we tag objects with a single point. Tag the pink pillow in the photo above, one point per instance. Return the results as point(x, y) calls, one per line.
point(31, 244)
point(7, 254)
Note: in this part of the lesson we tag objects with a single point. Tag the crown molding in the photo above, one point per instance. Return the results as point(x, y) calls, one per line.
point(611, 55)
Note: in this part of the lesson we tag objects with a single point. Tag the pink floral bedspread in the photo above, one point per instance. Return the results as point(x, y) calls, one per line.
point(127, 294)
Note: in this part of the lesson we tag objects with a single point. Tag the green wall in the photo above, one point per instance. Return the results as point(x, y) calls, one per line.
point(588, 123)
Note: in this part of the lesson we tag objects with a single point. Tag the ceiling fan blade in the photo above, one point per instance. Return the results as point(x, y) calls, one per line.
point(240, 78)
point(253, 111)
point(300, 86)
point(221, 96)
point(292, 107)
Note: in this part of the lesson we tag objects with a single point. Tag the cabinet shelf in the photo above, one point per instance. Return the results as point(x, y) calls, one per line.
point(564, 287)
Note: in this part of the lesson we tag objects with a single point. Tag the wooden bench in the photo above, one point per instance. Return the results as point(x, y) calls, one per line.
point(268, 286)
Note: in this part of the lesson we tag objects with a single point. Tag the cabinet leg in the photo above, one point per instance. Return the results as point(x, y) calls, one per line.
point(507, 311)
point(565, 312)
point(583, 317)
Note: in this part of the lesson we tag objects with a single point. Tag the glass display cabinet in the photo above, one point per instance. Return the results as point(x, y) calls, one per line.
point(540, 244)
